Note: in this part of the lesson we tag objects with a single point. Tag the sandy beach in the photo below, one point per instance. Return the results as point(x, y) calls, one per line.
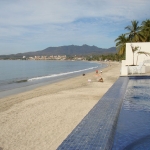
point(42, 118)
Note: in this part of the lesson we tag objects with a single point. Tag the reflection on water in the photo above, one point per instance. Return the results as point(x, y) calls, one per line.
point(133, 128)
point(143, 143)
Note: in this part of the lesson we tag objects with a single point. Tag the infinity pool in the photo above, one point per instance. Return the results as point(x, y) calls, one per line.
point(119, 121)
point(133, 126)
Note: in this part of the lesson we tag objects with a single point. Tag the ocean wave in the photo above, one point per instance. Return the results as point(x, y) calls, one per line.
point(60, 74)
point(5, 82)
point(19, 81)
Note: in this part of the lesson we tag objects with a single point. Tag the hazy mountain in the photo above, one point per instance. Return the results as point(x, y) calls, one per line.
point(70, 50)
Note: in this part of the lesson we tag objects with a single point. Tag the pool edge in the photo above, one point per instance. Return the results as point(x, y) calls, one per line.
point(97, 128)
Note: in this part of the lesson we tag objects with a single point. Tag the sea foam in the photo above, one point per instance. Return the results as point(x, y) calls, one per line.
point(60, 74)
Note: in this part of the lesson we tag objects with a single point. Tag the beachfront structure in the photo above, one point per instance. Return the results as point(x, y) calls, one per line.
point(136, 62)
point(58, 57)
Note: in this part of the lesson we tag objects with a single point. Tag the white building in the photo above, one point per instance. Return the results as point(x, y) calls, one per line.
point(136, 58)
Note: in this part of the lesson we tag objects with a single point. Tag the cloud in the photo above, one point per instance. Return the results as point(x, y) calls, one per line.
point(32, 12)
point(40, 23)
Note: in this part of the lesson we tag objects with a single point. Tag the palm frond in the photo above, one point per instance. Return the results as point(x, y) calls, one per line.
point(146, 53)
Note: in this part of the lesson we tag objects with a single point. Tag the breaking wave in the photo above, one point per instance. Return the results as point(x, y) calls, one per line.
point(60, 74)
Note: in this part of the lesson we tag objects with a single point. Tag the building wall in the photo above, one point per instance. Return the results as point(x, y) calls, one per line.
point(143, 46)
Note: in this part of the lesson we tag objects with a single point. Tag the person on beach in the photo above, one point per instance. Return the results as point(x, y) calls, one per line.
point(100, 80)
point(99, 76)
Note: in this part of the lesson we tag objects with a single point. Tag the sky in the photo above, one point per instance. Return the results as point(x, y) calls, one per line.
point(32, 25)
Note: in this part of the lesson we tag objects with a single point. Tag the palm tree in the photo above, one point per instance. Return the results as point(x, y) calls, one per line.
point(133, 51)
point(134, 32)
point(139, 52)
point(145, 53)
point(121, 44)
point(146, 30)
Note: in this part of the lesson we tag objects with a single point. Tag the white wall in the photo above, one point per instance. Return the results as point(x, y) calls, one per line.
point(143, 46)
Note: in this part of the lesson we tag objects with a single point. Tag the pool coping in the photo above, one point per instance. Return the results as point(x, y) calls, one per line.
point(97, 129)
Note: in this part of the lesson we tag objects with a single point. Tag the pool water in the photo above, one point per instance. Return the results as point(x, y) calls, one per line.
point(119, 121)
point(133, 127)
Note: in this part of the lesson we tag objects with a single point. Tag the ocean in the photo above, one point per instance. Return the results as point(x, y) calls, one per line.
point(22, 75)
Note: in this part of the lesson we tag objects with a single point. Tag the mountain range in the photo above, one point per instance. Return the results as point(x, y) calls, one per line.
point(70, 50)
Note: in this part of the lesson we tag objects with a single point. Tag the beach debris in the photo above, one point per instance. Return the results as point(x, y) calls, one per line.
point(89, 80)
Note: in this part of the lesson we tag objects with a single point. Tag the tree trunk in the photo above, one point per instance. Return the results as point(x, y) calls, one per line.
point(133, 59)
point(137, 59)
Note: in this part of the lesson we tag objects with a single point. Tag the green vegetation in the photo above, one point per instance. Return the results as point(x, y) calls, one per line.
point(135, 33)
point(112, 57)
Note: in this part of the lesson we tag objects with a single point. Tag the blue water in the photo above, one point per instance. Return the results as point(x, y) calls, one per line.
point(133, 128)
point(23, 73)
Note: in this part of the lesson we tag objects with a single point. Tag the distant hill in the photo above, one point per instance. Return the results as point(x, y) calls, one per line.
point(70, 50)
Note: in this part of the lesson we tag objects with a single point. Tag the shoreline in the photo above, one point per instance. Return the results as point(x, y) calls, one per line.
point(47, 114)
point(18, 87)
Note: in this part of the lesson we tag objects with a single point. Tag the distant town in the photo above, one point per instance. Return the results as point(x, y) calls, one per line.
point(57, 57)
point(112, 57)
point(70, 52)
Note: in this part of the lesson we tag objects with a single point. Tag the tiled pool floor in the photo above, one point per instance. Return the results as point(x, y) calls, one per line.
point(133, 128)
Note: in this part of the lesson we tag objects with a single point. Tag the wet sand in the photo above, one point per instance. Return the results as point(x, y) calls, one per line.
point(42, 118)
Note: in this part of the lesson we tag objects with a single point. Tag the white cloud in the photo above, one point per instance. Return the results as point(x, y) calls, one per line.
point(55, 22)
point(31, 12)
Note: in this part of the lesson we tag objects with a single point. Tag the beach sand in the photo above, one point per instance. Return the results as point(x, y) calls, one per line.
point(42, 118)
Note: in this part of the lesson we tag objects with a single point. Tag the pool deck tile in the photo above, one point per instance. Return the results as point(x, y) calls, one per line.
point(96, 130)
